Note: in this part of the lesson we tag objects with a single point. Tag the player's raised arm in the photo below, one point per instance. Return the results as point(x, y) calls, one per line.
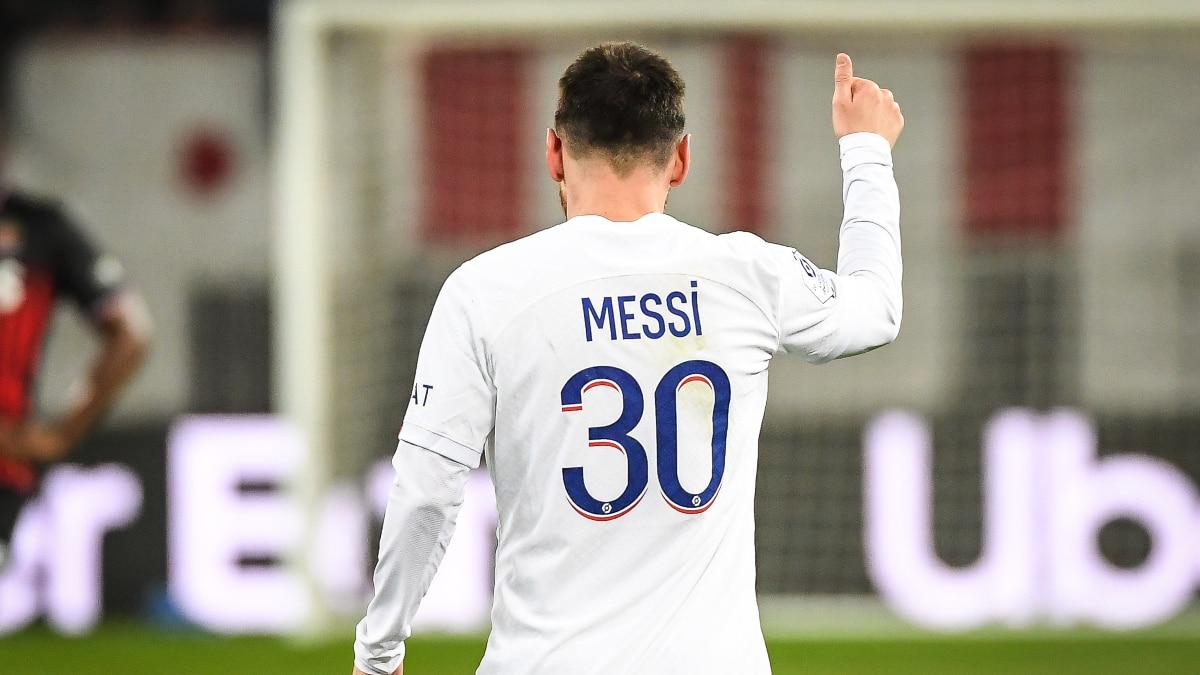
point(861, 305)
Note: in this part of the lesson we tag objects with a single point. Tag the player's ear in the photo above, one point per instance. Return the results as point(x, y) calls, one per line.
point(554, 155)
point(681, 160)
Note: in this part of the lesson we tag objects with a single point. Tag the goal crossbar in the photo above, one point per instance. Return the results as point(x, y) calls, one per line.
point(526, 17)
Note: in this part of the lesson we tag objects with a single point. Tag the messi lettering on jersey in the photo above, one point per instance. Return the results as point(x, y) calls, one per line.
point(649, 315)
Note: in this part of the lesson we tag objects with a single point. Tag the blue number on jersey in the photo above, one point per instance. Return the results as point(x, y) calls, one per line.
point(616, 435)
point(665, 403)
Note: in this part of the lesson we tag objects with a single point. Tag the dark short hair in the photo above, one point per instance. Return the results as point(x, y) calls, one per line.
point(622, 101)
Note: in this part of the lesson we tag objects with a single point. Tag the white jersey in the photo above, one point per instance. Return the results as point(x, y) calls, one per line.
point(621, 371)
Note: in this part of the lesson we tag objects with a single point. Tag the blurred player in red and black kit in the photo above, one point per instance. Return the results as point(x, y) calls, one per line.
point(44, 258)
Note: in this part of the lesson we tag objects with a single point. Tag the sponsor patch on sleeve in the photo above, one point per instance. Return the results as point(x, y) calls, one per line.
point(816, 279)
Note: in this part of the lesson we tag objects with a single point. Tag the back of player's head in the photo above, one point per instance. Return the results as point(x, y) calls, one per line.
point(622, 102)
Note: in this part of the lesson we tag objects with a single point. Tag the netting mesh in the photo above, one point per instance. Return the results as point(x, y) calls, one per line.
point(472, 141)
point(435, 154)
point(364, 309)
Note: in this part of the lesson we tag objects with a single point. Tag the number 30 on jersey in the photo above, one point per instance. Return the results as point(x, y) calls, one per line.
point(616, 436)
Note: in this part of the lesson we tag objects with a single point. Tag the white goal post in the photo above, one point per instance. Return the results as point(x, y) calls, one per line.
point(305, 176)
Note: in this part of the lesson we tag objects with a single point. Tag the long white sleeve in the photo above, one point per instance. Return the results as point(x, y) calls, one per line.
point(417, 526)
point(825, 315)
point(869, 250)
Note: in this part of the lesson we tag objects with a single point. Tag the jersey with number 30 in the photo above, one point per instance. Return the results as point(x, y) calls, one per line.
point(621, 370)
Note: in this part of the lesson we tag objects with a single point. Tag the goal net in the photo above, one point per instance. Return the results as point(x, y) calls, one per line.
point(1043, 204)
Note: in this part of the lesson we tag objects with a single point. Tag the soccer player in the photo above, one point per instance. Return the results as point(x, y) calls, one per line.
point(43, 258)
point(619, 361)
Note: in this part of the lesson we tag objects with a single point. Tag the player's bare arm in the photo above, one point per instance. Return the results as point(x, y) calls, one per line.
point(123, 330)
point(861, 105)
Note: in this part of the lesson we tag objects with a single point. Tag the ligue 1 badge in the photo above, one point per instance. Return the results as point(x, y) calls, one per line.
point(10, 237)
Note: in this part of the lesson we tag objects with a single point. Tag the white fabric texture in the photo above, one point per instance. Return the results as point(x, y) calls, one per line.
point(417, 527)
point(621, 370)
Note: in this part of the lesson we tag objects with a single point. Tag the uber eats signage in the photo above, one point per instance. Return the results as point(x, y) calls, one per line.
point(1046, 496)
point(237, 536)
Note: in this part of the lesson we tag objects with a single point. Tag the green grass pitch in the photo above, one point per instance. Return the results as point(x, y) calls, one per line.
point(133, 649)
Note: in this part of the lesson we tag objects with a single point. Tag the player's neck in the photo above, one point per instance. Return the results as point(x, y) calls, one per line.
point(601, 192)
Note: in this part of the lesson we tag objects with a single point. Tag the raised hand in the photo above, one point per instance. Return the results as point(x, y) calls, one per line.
point(861, 105)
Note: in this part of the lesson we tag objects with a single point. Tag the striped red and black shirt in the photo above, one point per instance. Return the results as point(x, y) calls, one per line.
point(43, 257)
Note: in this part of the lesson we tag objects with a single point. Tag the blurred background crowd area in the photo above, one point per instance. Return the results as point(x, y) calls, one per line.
point(1052, 242)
